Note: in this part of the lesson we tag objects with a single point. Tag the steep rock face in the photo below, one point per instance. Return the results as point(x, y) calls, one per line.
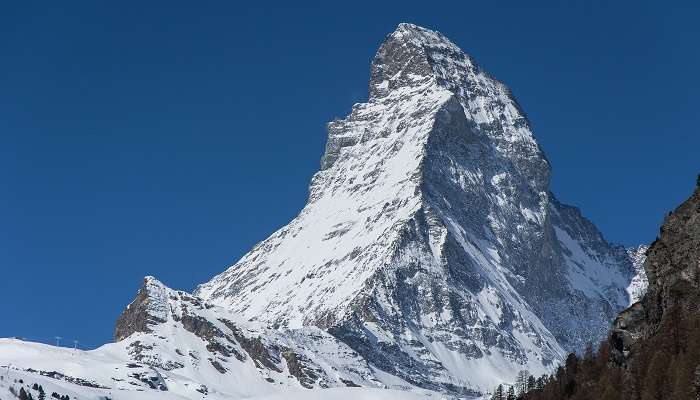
point(578, 280)
point(431, 243)
point(147, 309)
point(673, 271)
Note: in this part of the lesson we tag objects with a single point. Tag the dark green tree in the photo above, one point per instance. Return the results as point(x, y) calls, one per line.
point(498, 393)
point(571, 364)
point(531, 383)
point(539, 385)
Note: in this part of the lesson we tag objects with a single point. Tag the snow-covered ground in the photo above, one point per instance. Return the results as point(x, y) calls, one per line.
point(13, 377)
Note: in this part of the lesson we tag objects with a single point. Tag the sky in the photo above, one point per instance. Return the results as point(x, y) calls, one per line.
point(167, 138)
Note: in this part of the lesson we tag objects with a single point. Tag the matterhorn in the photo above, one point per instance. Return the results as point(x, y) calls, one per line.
point(431, 259)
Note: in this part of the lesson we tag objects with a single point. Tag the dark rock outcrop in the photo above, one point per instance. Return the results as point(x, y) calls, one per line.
point(299, 369)
point(138, 316)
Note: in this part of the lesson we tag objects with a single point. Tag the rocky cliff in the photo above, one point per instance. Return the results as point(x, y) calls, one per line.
point(673, 270)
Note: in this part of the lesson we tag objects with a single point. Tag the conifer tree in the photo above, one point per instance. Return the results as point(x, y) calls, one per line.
point(539, 384)
point(511, 394)
point(521, 383)
point(498, 393)
point(531, 383)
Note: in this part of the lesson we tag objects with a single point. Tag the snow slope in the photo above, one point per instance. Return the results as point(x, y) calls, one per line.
point(11, 375)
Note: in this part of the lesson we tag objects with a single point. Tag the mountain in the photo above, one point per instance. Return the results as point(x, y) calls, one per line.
point(431, 257)
point(653, 351)
point(431, 243)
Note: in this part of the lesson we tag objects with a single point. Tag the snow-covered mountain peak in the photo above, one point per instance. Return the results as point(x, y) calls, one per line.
point(431, 254)
point(431, 243)
point(413, 56)
point(407, 57)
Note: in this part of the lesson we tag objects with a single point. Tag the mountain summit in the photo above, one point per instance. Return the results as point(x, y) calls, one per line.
point(430, 257)
point(431, 243)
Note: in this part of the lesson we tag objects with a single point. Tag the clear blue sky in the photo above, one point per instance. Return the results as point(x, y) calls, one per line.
point(168, 138)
